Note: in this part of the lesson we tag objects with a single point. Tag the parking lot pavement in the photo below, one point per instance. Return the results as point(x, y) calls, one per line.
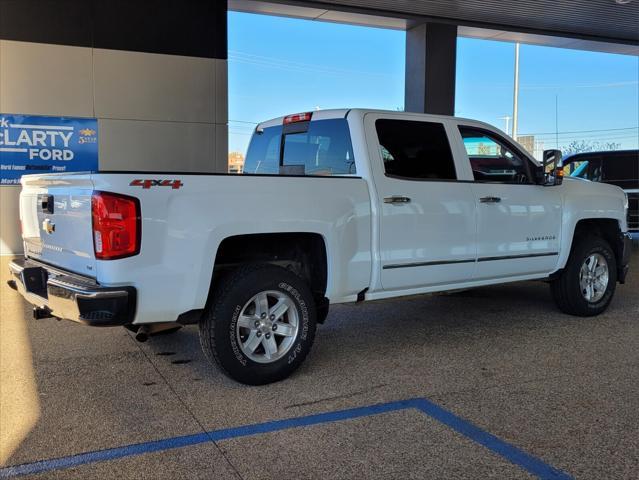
point(563, 389)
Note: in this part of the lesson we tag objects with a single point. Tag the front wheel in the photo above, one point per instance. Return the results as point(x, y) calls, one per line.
point(261, 324)
point(587, 284)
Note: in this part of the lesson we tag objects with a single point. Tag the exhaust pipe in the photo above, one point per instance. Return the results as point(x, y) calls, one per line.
point(148, 330)
point(40, 313)
point(142, 334)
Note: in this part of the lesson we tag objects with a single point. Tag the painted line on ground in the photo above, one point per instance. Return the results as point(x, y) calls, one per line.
point(511, 453)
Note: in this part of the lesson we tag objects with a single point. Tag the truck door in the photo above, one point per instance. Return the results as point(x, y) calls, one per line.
point(426, 217)
point(518, 222)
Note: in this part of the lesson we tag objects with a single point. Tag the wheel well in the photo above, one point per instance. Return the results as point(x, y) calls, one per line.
point(302, 253)
point(606, 228)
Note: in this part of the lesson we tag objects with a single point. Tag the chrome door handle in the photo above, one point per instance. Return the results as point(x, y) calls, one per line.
point(490, 199)
point(396, 200)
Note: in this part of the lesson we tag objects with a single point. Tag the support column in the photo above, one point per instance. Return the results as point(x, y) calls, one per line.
point(431, 54)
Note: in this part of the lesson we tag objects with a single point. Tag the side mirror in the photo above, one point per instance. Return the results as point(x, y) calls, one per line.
point(552, 169)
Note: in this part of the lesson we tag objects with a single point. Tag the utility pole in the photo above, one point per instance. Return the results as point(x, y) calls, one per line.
point(557, 121)
point(516, 94)
point(507, 119)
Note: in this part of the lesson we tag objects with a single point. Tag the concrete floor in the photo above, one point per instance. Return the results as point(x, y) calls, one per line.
point(563, 389)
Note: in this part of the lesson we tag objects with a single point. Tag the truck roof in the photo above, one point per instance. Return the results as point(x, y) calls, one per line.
point(317, 115)
point(602, 153)
point(343, 112)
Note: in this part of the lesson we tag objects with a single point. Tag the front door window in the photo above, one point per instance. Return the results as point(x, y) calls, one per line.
point(492, 160)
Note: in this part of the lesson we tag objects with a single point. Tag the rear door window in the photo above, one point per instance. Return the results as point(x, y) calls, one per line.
point(415, 150)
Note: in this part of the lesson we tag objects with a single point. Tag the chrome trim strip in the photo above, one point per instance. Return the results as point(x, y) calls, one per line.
point(426, 264)
point(513, 257)
point(482, 259)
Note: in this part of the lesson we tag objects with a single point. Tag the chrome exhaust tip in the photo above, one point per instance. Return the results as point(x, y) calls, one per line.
point(148, 330)
point(142, 335)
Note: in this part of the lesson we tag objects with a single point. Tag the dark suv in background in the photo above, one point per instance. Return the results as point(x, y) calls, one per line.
point(619, 168)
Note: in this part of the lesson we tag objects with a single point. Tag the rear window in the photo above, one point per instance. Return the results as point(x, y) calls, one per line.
point(263, 155)
point(324, 148)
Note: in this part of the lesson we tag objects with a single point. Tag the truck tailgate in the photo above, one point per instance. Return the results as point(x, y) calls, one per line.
point(56, 221)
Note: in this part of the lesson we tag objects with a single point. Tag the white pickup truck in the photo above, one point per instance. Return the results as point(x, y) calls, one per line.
point(335, 206)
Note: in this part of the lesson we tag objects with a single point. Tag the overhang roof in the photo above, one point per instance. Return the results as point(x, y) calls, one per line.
point(598, 25)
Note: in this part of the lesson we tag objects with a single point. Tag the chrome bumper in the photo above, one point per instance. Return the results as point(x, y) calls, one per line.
point(64, 295)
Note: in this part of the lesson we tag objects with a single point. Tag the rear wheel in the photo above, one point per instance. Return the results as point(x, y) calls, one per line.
point(587, 284)
point(261, 324)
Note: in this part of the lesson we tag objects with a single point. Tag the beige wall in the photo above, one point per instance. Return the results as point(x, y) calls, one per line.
point(154, 111)
point(10, 241)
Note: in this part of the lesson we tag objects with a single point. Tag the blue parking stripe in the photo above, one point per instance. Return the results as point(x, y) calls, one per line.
point(188, 440)
point(102, 455)
point(491, 442)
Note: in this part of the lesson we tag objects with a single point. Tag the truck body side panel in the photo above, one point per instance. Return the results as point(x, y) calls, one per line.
point(182, 229)
point(597, 201)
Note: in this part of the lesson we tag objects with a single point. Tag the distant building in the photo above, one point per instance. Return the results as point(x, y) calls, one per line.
point(528, 142)
point(236, 162)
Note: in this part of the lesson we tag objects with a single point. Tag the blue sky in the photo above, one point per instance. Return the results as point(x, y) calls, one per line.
point(280, 65)
point(594, 91)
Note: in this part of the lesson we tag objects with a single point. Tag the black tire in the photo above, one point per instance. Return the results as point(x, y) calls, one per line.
point(566, 290)
point(218, 335)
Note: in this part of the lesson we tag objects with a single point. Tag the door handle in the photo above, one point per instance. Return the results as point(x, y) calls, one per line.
point(490, 199)
point(396, 200)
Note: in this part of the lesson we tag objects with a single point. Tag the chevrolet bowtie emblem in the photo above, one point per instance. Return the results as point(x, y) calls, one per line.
point(48, 226)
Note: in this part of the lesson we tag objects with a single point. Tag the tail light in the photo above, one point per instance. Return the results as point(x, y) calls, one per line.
point(116, 225)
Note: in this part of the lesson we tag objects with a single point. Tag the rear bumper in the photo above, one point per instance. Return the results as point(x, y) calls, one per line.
point(68, 296)
point(626, 249)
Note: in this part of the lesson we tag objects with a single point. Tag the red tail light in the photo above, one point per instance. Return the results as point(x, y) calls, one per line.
point(298, 117)
point(116, 225)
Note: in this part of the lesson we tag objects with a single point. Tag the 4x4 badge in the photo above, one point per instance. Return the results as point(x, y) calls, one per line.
point(146, 184)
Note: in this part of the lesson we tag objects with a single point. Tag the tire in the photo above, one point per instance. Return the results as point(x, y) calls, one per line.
point(567, 290)
point(229, 328)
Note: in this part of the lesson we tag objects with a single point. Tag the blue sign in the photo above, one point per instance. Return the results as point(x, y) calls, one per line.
point(34, 144)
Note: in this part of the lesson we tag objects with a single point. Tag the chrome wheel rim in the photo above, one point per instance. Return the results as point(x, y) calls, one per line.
point(267, 326)
point(593, 277)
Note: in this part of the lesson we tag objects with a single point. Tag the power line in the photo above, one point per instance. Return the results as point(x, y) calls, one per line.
point(589, 136)
point(265, 61)
point(244, 121)
point(580, 131)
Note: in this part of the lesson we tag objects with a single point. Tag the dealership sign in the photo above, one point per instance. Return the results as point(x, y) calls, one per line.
point(35, 144)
